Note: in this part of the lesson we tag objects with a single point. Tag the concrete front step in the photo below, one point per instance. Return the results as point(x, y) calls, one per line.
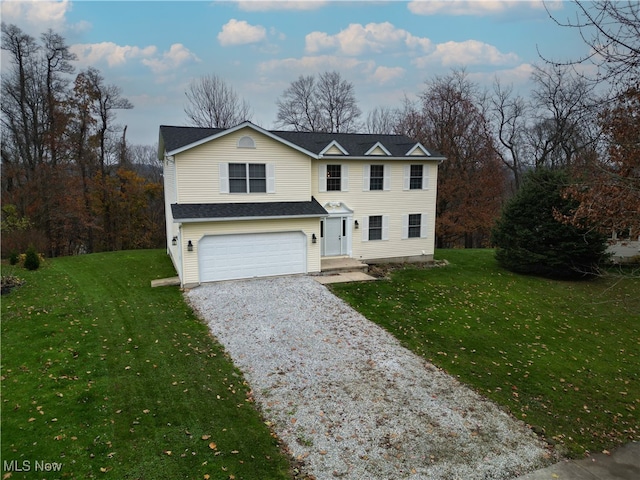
point(330, 265)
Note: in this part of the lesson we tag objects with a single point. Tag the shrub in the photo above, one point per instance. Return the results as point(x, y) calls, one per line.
point(14, 258)
point(31, 259)
point(530, 238)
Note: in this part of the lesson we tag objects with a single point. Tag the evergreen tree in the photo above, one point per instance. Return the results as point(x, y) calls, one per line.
point(532, 238)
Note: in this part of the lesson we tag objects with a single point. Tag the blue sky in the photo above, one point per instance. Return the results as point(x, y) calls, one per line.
point(153, 49)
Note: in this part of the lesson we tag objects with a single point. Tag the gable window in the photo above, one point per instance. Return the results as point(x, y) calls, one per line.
point(247, 178)
point(415, 178)
point(376, 177)
point(334, 178)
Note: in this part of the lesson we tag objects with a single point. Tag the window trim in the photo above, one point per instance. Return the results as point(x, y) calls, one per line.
point(322, 177)
point(270, 183)
point(406, 226)
point(407, 177)
point(366, 178)
point(384, 232)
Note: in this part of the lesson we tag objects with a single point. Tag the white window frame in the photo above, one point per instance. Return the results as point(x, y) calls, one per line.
point(366, 179)
point(322, 177)
point(365, 228)
point(270, 170)
point(406, 184)
point(405, 226)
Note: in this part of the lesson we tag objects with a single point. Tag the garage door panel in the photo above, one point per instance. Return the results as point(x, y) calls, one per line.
point(227, 257)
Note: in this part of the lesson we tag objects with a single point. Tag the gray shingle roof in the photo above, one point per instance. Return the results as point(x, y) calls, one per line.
point(221, 211)
point(356, 144)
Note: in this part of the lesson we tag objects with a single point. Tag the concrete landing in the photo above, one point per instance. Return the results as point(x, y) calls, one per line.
point(165, 282)
point(343, 277)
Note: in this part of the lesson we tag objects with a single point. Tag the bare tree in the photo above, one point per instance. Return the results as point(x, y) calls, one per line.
point(564, 132)
point(327, 104)
point(215, 104)
point(611, 29)
point(382, 120)
point(509, 113)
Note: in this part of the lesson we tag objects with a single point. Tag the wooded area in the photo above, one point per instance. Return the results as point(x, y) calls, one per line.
point(71, 183)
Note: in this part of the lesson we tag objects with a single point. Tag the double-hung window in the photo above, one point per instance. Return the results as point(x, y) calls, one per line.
point(415, 178)
point(375, 227)
point(414, 225)
point(376, 177)
point(247, 178)
point(334, 178)
point(415, 220)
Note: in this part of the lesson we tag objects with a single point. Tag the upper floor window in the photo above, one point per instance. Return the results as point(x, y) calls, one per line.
point(416, 177)
point(247, 177)
point(376, 177)
point(334, 177)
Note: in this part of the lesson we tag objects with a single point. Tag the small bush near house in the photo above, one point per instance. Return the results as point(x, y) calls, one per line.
point(32, 259)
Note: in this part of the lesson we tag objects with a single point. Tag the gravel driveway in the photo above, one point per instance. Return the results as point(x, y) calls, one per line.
point(348, 399)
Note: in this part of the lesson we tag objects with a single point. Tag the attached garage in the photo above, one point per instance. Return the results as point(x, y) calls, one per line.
point(228, 257)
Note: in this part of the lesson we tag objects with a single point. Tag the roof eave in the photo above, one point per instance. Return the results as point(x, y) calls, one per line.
point(235, 219)
point(235, 129)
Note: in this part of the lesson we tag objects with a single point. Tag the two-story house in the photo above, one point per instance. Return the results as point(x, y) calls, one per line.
point(247, 202)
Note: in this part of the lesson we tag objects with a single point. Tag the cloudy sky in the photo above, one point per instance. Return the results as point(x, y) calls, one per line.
point(388, 49)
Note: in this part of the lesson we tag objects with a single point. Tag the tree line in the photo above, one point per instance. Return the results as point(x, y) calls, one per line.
point(71, 180)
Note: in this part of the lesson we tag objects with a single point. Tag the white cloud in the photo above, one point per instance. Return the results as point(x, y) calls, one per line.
point(265, 5)
point(292, 67)
point(239, 32)
point(117, 55)
point(460, 7)
point(470, 52)
point(35, 17)
point(177, 55)
point(517, 76)
point(113, 54)
point(357, 39)
point(383, 75)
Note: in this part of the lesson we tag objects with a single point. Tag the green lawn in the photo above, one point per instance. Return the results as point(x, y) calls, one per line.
point(114, 379)
point(562, 356)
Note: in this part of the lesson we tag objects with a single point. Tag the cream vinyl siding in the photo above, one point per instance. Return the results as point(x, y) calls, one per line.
point(195, 231)
point(393, 204)
point(198, 170)
point(169, 175)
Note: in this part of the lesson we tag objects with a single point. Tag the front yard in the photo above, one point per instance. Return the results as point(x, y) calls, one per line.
point(564, 357)
point(105, 377)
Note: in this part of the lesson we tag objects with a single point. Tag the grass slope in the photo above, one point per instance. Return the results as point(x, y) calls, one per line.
point(562, 356)
point(114, 379)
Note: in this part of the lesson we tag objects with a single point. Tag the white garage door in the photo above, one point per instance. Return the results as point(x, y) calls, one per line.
point(227, 257)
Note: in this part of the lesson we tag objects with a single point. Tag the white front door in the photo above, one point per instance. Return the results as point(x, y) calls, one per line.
point(333, 236)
